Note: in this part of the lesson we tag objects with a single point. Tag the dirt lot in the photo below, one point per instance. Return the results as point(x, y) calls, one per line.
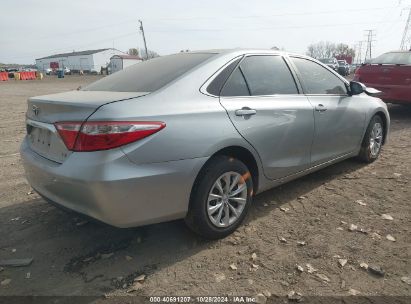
point(73, 257)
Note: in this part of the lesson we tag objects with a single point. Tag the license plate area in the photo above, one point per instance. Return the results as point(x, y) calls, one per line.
point(40, 139)
point(45, 141)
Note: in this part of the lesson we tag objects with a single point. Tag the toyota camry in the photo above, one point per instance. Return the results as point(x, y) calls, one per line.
point(196, 135)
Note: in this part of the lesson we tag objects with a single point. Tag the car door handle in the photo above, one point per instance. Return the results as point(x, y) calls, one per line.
point(245, 112)
point(320, 108)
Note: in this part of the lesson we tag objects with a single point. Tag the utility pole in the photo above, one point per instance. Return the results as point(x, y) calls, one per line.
point(144, 37)
point(370, 39)
point(358, 54)
point(406, 37)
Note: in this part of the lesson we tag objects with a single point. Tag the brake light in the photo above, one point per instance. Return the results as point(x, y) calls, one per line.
point(104, 135)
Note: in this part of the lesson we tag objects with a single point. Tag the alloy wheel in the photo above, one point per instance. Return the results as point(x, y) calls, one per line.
point(376, 139)
point(227, 199)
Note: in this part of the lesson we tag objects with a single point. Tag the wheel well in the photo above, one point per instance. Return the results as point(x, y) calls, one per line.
point(244, 156)
point(384, 121)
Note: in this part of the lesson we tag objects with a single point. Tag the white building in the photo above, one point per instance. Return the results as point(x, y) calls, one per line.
point(88, 61)
point(120, 62)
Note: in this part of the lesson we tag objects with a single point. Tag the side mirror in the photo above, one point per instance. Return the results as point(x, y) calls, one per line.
point(358, 88)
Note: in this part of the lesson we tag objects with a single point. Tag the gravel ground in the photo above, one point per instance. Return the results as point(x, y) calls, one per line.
point(306, 221)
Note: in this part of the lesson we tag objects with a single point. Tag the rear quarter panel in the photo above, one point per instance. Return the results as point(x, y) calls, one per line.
point(195, 127)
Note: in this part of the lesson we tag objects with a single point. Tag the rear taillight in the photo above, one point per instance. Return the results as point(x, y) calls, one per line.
point(104, 135)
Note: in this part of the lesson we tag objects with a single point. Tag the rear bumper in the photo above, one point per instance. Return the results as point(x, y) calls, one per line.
point(393, 93)
point(107, 186)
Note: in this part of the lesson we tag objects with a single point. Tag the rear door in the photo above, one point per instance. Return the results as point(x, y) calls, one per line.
point(339, 118)
point(263, 102)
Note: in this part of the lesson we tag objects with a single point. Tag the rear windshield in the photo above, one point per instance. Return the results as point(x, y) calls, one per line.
point(150, 75)
point(393, 58)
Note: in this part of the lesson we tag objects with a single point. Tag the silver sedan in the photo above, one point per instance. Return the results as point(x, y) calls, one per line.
point(196, 136)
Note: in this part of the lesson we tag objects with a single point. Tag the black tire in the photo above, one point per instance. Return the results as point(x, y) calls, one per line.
point(366, 154)
point(197, 217)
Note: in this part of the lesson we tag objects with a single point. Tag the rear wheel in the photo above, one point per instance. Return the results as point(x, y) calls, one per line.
point(373, 139)
point(220, 198)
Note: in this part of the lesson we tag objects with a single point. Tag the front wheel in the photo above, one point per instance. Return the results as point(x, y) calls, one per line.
point(373, 140)
point(220, 198)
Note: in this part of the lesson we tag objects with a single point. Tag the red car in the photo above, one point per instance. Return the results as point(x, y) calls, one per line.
point(389, 73)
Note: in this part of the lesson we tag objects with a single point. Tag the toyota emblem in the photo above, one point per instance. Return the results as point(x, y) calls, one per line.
point(35, 110)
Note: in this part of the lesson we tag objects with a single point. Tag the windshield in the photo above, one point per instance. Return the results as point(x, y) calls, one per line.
point(151, 75)
point(393, 58)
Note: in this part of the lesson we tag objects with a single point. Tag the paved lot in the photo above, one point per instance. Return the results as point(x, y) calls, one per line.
point(73, 257)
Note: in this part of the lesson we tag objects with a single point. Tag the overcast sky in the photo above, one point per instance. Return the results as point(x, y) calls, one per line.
point(33, 29)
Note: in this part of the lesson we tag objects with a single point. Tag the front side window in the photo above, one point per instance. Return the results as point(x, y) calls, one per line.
point(317, 79)
point(268, 75)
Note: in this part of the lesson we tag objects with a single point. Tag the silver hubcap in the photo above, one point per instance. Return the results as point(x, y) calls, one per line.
point(227, 199)
point(376, 139)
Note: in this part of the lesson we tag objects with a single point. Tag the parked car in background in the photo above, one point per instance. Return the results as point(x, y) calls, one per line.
point(353, 68)
point(11, 71)
point(330, 62)
point(49, 71)
point(389, 73)
point(343, 68)
point(67, 71)
point(196, 137)
point(94, 71)
point(25, 69)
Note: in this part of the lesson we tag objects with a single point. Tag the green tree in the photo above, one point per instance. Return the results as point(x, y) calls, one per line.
point(133, 52)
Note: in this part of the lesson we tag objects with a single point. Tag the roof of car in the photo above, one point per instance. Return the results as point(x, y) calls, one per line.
point(242, 51)
point(399, 51)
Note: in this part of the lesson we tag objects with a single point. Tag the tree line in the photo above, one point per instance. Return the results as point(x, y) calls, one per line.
point(142, 53)
point(329, 49)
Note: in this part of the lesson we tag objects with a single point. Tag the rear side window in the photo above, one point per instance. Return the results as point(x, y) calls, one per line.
point(268, 75)
point(393, 58)
point(217, 84)
point(236, 85)
point(318, 80)
point(150, 75)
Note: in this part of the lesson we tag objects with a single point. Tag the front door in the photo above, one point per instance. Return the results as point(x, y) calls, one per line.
point(339, 118)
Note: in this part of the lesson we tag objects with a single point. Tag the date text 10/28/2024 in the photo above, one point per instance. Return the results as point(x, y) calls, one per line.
point(203, 299)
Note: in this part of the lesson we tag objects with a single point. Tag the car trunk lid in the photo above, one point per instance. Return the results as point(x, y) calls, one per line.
point(44, 111)
point(72, 105)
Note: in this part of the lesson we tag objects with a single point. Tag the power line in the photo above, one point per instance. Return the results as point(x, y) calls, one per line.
point(111, 25)
point(267, 28)
point(337, 11)
point(68, 48)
